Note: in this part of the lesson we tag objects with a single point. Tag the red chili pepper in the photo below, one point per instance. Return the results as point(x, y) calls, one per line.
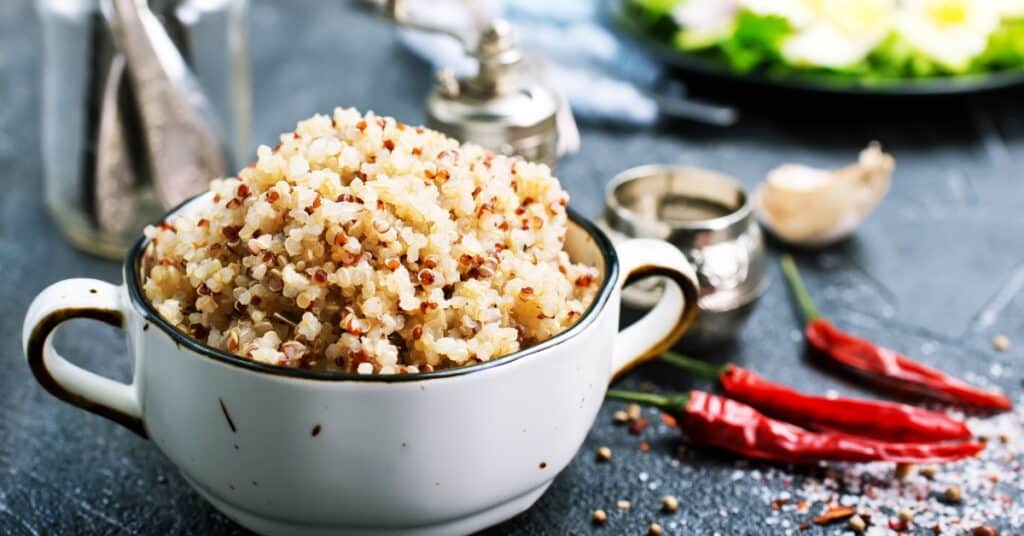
point(882, 364)
point(885, 421)
point(719, 422)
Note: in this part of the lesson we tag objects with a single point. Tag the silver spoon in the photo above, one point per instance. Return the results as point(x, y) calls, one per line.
point(115, 178)
point(185, 148)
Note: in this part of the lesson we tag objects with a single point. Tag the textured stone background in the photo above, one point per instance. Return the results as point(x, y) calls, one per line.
point(936, 273)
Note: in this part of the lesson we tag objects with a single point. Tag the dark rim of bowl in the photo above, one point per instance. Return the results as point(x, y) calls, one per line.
point(139, 301)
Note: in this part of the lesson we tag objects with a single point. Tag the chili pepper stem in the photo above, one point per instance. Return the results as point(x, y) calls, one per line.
point(695, 366)
point(796, 285)
point(667, 403)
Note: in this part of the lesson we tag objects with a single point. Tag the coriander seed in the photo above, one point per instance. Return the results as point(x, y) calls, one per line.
point(953, 494)
point(984, 530)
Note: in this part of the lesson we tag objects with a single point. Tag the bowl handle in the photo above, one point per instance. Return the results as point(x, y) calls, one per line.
point(60, 302)
point(663, 325)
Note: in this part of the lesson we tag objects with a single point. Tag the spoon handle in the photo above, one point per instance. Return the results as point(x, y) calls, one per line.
point(115, 179)
point(178, 124)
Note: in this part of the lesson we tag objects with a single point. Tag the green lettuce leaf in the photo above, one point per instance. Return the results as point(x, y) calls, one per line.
point(755, 41)
point(653, 18)
point(1005, 48)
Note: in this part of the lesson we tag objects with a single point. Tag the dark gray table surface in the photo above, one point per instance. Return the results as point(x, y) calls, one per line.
point(936, 272)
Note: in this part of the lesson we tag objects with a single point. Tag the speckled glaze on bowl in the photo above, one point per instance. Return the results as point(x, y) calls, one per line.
point(289, 451)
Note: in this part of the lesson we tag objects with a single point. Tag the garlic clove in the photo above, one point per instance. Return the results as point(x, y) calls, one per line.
point(813, 207)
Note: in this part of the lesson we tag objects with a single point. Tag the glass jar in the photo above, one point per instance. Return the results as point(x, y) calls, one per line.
point(85, 90)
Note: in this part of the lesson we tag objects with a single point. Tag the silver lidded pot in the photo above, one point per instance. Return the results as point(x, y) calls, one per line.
point(503, 107)
point(708, 216)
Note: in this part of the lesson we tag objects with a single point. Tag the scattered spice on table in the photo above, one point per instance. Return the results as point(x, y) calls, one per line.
point(715, 421)
point(882, 364)
point(638, 426)
point(1001, 343)
point(885, 421)
point(857, 523)
point(872, 490)
point(654, 529)
point(953, 494)
point(623, 504)
point(599, 516)
point(604, 454)
point(834, 513)
point(669, 504)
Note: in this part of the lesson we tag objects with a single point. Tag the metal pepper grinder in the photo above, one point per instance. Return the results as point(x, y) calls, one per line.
point(501, 107)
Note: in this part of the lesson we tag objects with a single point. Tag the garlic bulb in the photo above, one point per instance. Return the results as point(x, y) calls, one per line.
point(814, 207)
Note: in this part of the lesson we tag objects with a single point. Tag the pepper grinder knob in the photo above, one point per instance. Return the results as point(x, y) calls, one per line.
point(502, 107)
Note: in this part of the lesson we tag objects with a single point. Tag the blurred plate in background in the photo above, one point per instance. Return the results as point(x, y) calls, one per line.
point(713, 68)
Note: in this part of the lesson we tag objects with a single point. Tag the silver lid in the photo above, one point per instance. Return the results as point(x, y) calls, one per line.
point(706, 215)
point(502, 107)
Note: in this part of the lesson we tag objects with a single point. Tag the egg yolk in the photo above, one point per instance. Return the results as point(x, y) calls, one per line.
point(948, 12)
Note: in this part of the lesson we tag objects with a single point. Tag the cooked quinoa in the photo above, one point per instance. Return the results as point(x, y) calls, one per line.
point(363, 245)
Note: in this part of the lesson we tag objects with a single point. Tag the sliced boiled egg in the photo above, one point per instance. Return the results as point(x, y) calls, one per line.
point(951, 32)
point(797, 12)
point(840, 33)
point(1011, 9)
point(705, 21)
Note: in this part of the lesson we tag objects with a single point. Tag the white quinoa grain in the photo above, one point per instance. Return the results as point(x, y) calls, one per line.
point(368, 246)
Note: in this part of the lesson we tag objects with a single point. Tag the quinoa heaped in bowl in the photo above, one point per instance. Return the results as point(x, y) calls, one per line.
point(363, 245)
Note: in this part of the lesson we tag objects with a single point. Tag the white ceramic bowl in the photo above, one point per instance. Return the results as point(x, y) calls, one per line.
point(289, 451)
